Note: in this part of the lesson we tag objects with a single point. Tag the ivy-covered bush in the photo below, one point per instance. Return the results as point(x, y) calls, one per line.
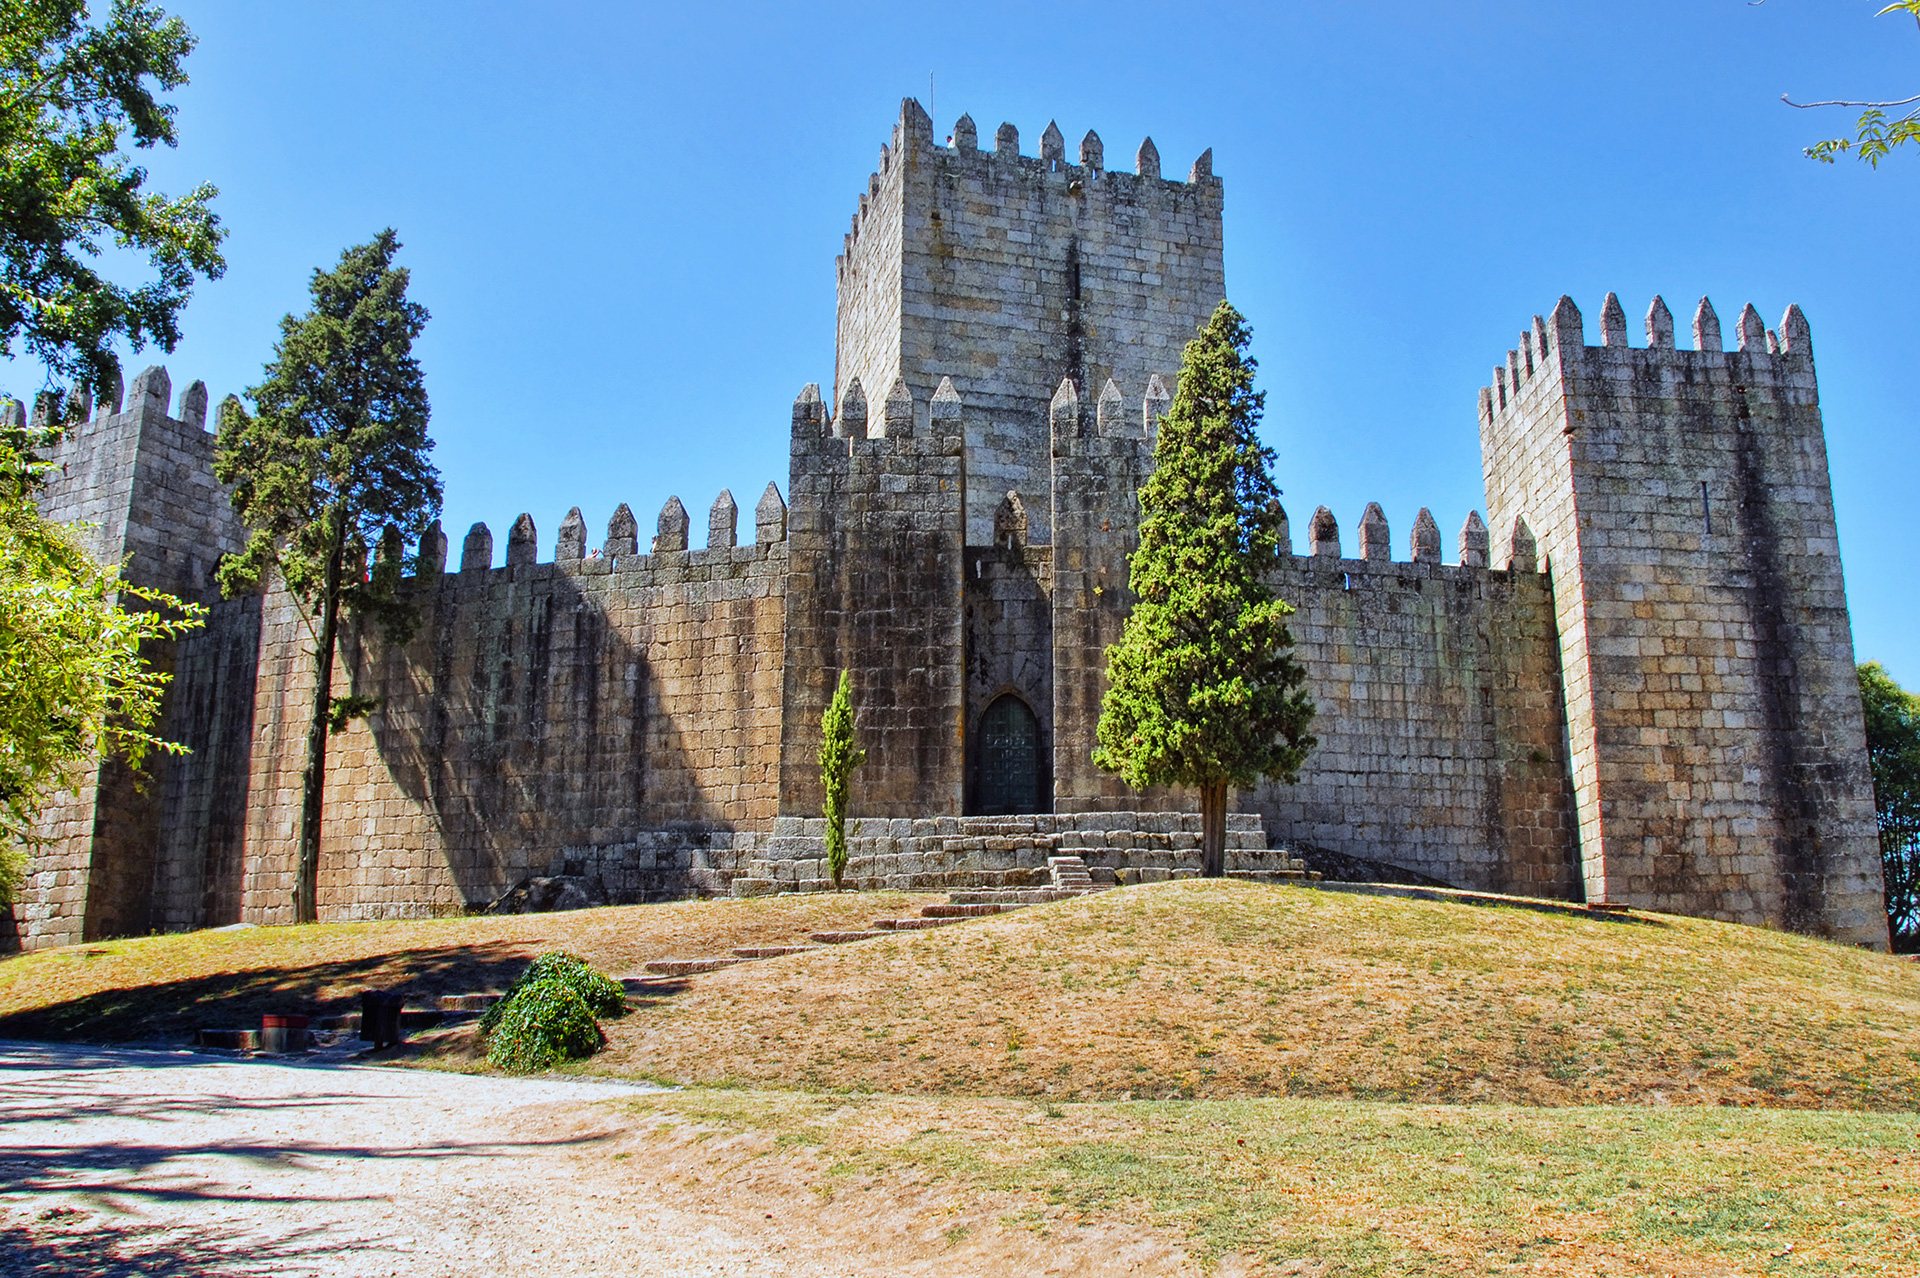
point(549, 1015)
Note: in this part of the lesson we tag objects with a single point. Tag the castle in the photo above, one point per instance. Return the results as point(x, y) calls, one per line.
point(1632, 683)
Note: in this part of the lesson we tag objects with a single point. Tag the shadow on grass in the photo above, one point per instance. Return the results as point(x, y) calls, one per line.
point(170, 1012)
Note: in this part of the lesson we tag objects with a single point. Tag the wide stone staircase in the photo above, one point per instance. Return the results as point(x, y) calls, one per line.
point(1009, 852)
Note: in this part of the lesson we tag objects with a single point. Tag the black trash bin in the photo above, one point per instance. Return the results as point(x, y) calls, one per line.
point(380, 1018)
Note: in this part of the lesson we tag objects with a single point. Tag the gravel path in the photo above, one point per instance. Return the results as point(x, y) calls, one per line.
point(158, 1163)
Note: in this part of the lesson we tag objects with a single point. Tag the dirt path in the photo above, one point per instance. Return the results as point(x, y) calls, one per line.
point(155, 1163)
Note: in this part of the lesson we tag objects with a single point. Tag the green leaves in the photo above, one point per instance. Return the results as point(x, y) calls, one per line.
point(335, 458)
point(1875, 137)
point(1875, 133)
point(1893, 752)
point(549, 1014)
point(838, 759)
point(1203, 688)
point(73, 686)
point(69, 94)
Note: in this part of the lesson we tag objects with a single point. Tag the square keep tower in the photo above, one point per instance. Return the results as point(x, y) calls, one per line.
point(1008, 273)
point(1682, 502)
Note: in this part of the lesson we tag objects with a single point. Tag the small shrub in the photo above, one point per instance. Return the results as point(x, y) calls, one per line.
point(549, 1015)
point(544, 1022)
point(602, 996)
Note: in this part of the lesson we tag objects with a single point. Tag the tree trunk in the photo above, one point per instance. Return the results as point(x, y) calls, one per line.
point(1213, 829)
point(306, 882)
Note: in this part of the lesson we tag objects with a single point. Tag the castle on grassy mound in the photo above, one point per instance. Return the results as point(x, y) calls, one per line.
point(1633, 682)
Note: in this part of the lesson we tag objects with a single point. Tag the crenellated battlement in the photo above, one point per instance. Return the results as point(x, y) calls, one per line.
point(151, 395)
point(913, 144)
point(1557, 346)
point(669, 558)
point(1518, 546)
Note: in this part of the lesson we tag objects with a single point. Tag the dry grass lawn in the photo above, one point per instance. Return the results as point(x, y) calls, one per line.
point(1221, 989)
point(162, 988)
point(1273, 1073)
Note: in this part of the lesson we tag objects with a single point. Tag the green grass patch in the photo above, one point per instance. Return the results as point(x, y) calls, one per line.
point(1385, 1189)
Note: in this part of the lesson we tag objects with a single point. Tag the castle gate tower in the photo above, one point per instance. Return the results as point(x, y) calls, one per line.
point(1682, 503)
point(1008, 273)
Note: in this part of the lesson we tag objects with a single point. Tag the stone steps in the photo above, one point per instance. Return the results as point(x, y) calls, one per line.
point(770, 951)
point(843, 938)
point(963, 909)
point(1069, 874)
point(915, 925)
point(468, 1002)
point(688, 966)
point(1008, 897)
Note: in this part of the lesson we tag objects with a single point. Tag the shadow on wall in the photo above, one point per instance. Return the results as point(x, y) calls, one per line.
point(524, 725)
point(203, 812)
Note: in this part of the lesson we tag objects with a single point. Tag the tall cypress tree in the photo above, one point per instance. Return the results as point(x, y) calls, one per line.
point(838, 759)
point(332, 463)
point(1203, 689)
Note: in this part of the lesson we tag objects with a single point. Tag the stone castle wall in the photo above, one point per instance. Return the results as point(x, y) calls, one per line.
point(142, 481)
point(619, 712)
point(876, 559)
point(1638, 687)
point(1441, 743)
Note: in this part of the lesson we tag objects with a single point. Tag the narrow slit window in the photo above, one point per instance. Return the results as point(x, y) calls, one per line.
point(1706, 509)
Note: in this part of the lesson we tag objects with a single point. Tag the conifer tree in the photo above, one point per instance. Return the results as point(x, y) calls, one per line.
point(838, 759)
point(1203, 690)
point(332, 462)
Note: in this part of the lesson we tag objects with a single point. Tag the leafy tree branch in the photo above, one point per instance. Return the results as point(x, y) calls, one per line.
point(70, 94)
point(1876, 134)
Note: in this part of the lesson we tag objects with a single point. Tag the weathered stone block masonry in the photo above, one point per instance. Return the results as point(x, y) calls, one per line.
point(1634, 684)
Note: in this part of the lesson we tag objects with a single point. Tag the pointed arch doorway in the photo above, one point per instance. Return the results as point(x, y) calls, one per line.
point(1008, 762)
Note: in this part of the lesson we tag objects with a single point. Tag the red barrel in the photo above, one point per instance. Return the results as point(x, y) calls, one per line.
point(283, 1033)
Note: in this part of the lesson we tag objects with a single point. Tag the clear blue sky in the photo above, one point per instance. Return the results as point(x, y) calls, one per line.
point(623, 216)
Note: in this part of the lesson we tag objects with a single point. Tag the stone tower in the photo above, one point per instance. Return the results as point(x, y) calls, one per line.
point(874, 583)
point(1681, 503)
point(143, 481)
point(1008, 273)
